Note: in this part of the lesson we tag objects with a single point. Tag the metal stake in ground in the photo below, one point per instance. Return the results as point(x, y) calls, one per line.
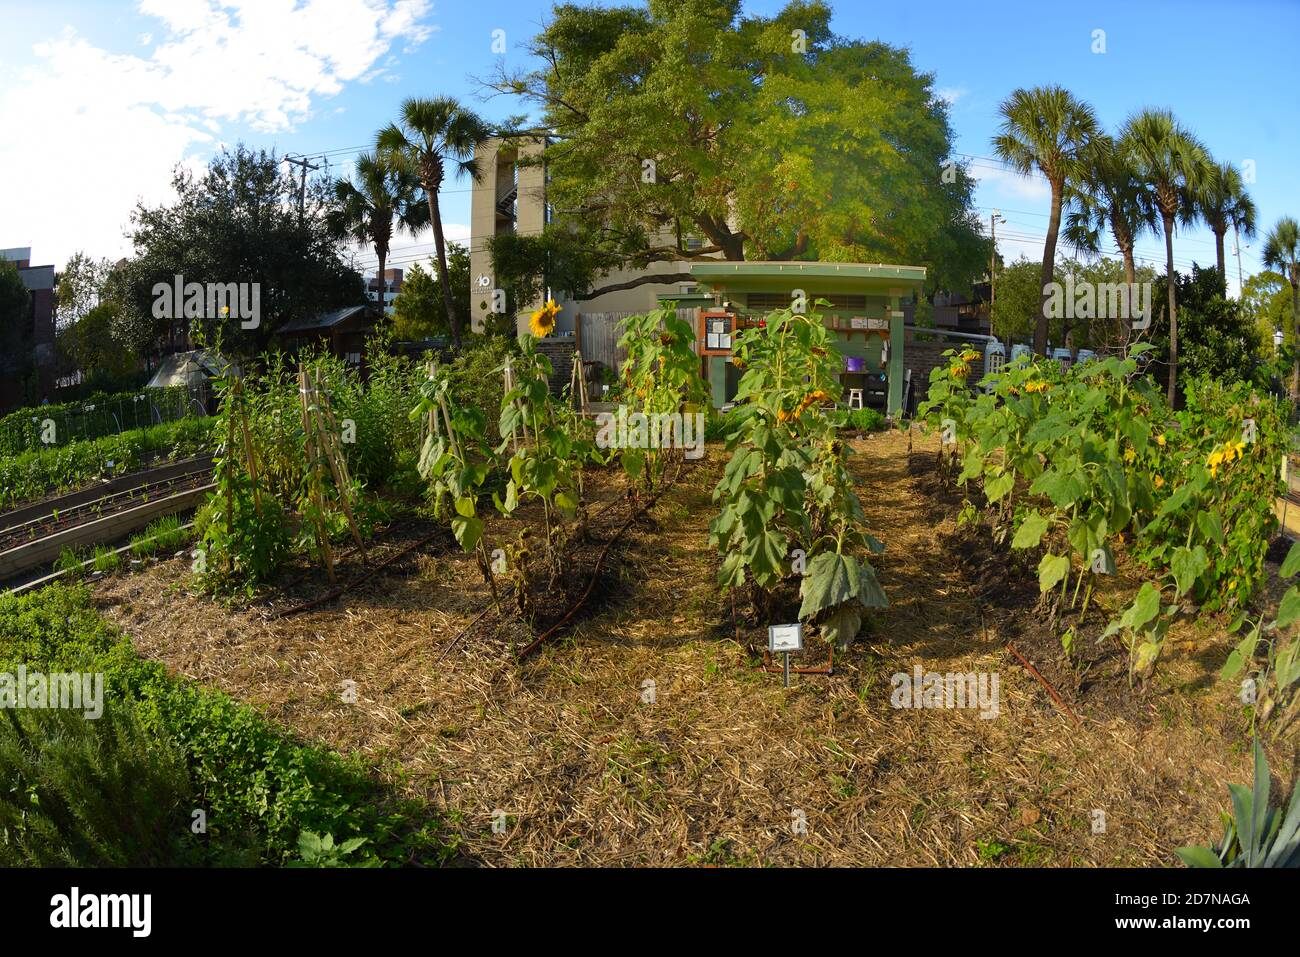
point(785, 639)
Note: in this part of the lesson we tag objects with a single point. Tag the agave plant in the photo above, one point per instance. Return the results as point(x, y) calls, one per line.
point(1257, 835)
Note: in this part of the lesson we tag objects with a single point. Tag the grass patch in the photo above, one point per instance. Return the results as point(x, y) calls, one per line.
point(162, 536)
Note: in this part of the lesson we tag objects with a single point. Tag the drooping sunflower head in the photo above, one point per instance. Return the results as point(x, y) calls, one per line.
point(542, 322)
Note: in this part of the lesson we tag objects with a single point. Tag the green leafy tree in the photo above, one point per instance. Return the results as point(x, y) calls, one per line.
point(1282, 252)
point(80, 287)
point(91, 345)
point(677, 131)
point(1174, 166)
point(236, 222)
point(1019, 300)
point(377, 202)
point(1218, 337)
point(1266, 302)
point(1047, 129)
point(419, 311)
point(432, 135)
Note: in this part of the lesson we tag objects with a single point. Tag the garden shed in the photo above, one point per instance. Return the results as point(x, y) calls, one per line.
point(865, 315)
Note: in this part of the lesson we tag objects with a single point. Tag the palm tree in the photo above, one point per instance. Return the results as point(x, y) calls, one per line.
point(1224, 204)
point(1173, 165)
point(1048, 129)
point(1108, 198)
point(1282, 252)
point(380, 200)
point(432, 134)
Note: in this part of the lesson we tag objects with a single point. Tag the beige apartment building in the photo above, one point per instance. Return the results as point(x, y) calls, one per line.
point(509, 197)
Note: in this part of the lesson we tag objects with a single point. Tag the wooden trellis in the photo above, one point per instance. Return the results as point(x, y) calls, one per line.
point(324, 455)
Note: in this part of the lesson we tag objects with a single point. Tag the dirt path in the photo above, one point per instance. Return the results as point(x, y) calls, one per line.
point(647, 735)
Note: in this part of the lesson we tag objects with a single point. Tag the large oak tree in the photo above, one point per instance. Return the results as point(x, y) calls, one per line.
point(678, 130)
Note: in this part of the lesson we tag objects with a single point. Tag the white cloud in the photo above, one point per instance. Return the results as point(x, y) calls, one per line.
point(88, 132)
point(951, 94)
point(1008, 183)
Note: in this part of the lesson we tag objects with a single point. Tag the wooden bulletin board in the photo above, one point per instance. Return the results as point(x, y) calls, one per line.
point(717, 332)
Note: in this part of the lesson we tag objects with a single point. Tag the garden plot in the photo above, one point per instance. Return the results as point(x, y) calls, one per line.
point(648, 735)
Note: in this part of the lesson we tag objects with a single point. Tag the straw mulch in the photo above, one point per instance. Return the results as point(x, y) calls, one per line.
point(647, 736)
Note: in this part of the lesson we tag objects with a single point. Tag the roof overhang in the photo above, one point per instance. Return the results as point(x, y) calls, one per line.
point(813, 277)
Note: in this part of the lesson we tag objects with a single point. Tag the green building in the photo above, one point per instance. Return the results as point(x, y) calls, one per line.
point(866, 312)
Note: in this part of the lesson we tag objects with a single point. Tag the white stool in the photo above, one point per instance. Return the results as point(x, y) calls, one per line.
point(855, 398)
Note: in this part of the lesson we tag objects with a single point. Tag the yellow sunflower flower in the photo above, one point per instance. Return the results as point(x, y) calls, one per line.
point(542, 322)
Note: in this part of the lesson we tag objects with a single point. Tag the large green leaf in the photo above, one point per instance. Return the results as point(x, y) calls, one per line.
point(567, 503)
point(841, 625)
point(1291, 564)
point(1288, 610)
point(1031, 530)
point(765, 553)
point(997, 487)
point(1063, 488)
point(869, 591)
point(831, 580)
point(1051, 570)
point(1187, 565)
point(467, 531)
point(1211, 526)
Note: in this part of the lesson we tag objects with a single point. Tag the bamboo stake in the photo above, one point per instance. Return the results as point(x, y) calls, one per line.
point(230, 486)
point(250, 460)
point(338, 464)
point(582, 381)
point(508, 382)
point(322, 540)
point(432, 419)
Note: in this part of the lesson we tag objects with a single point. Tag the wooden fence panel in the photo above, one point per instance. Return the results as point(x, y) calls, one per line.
point(599, 332)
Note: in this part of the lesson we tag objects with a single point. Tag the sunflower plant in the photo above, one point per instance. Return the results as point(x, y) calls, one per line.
point(787, 505)
point(546, 466)
point(661, 375)
point(1074, 462)
point(542, 322)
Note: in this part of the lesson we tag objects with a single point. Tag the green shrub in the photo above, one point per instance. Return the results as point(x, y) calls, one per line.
point(98, 415)
point(260, 788)
point(91, 793)
point(865, 420)
point(476, 375)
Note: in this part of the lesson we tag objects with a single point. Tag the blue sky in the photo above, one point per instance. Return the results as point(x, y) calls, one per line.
point(151, 83)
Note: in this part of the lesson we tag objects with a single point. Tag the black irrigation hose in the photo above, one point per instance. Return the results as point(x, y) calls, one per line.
point(365, 576)
point(600, 560)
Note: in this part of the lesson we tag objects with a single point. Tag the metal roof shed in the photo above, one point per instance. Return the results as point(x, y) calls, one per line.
point(866, 308)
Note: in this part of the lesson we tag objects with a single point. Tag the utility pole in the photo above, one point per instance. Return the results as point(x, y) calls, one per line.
point(994, 218)
point(302, 186)
point(1236, 247)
